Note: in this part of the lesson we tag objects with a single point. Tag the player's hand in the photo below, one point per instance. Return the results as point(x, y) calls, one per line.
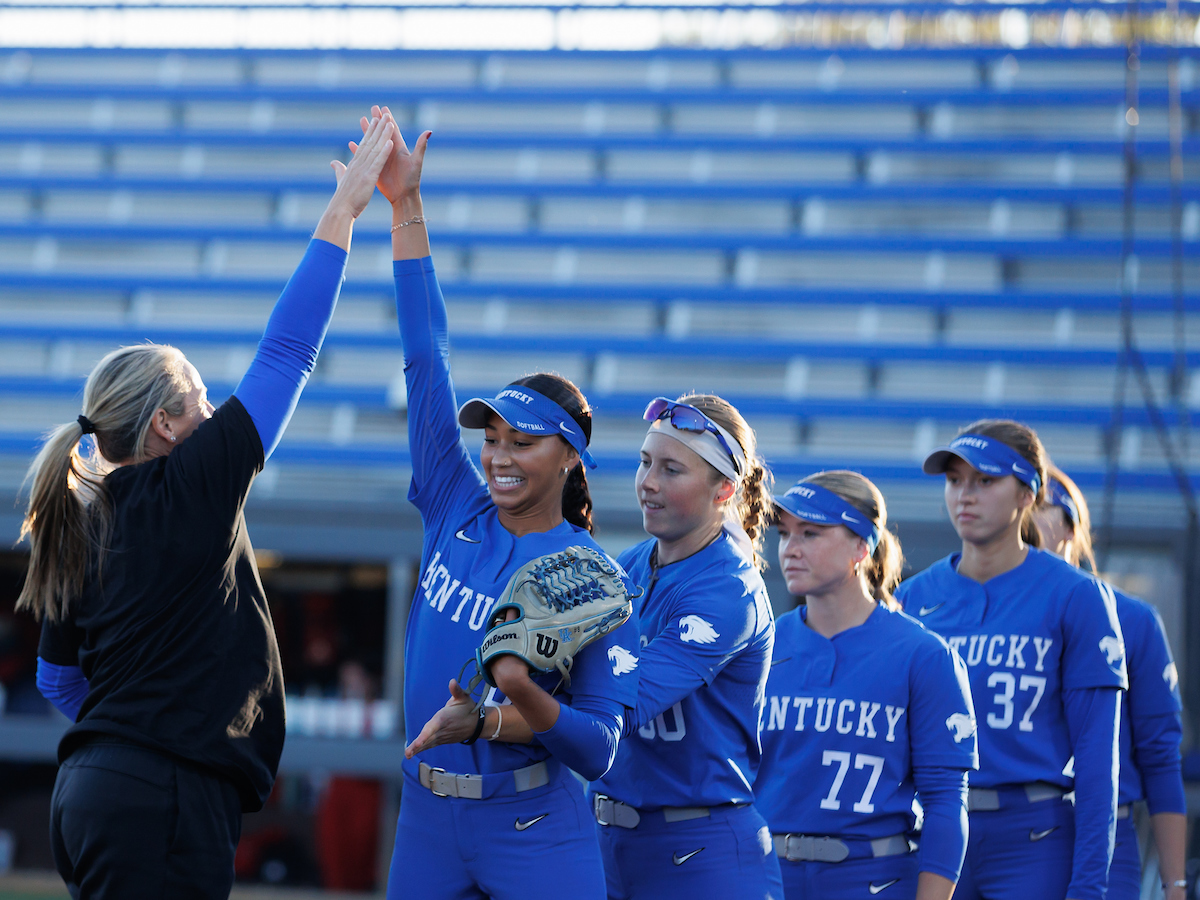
point(401, 174)
point(356, 181)
point(451, 724)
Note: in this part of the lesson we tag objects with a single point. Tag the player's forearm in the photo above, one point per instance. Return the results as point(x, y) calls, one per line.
point(1092, 718)
point(539, 710)
point(583, 741)
point(934, 887)
point(1170, 837)
point(287, 353)
point(942, 792)
point(1156, 743)
point(409, 241)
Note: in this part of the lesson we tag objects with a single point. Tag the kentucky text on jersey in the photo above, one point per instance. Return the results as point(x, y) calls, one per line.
point(856, 716)
point(439, 587)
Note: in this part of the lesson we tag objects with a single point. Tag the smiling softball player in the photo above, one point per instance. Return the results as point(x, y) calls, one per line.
point(1047, 666)
point(494, 814)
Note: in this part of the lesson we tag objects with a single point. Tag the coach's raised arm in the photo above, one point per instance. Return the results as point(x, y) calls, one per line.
point(156, 636)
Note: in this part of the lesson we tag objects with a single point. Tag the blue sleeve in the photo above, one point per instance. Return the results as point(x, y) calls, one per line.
point(288, 350)
point(1157, 740)
point(1156, 730)
point(439, 457)
point(1093, 645)
point(584, 738)
point(943, 794)
point(663, 680)
point(1092, 720)
point(63, 686)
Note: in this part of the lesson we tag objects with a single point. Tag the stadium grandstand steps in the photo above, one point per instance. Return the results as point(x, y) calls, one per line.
point(863, 250)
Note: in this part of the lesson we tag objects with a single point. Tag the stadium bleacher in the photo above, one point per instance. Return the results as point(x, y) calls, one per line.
point(863, 249)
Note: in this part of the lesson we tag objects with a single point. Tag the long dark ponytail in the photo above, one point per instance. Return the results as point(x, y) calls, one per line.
point(576, 499)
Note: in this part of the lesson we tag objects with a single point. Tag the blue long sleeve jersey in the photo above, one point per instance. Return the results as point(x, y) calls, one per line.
point(269, 391)
point(861, 724)
point(1046, 661)
point(1151, 727)
point(467, 559)
point(706, 636)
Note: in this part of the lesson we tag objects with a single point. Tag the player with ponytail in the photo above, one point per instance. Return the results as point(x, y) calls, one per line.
point(1151, 727)
point(1046, 662)
point(156, 636)
point(867, 710)
point(676, 812)
point(489, 806)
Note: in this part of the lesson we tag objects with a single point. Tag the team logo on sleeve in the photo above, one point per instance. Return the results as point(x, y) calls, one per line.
point(1171, 676)
point(962, 725)
point(623, 662)
point(695, 630)
point(1113, 649)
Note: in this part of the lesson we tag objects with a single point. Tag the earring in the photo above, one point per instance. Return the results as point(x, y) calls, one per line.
point(172, 439)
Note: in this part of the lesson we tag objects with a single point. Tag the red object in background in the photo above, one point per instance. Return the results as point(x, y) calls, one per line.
point(348, 833)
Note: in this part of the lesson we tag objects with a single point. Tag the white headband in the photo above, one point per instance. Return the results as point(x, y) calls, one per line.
point(705, 445)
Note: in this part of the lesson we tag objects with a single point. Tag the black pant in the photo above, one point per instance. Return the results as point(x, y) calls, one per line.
point(130, 823)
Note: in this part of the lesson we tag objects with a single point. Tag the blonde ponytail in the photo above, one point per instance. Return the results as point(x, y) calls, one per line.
point(69, 517)
point(753, 505)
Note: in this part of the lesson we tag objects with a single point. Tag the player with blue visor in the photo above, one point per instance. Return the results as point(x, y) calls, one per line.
point(488, 810)
point(1046, 662)
point(867, 712)
point(1151, 726)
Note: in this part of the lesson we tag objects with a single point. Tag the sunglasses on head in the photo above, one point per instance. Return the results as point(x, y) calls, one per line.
point(688, 418)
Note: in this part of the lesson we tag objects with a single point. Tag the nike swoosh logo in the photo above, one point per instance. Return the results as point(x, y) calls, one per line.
point(846, 517)
point(1038, 835)
point(565, 428)
point(926, 610)
point(462, 537)
point(876, 888)
point(680, 860)
point(776, 662)
point(521, 826)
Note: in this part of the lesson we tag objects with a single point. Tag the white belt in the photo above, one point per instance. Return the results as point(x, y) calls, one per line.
point(817, 848)
point(613, 812)
point(470, 787)
point(1124, 810)
point(989, 800)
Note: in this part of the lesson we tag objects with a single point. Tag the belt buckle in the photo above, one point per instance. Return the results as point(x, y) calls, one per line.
point(802, 847)
point(598, 803)
point(432, 781)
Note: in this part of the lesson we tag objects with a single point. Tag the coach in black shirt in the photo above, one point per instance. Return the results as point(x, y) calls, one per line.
point(157, 638)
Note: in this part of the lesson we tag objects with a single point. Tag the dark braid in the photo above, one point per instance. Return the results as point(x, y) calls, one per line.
point(576, 499)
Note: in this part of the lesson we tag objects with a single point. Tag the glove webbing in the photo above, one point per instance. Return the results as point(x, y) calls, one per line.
point(564, 585)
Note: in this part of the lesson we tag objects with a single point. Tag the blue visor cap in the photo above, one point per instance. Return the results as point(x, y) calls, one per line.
point(821, 506)
point(1060, 498)
point(986, 455)
point(530, 412)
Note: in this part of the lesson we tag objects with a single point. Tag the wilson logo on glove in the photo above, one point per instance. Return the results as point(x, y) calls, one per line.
point(563, 601)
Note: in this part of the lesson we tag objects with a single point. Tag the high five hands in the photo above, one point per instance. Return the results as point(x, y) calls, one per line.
point(356, 181)
point(400, 177)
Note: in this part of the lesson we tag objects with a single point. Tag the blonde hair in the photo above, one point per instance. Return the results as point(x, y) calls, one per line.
point(1081, 544)
point(753, 503)
point(69, 517)
point(883, 570)
point(1025, 441)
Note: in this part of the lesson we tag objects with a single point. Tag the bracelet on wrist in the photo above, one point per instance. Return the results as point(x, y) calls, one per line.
point(1181, 883)
point(415, 220)
point(478, 727)
point(499, 723)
